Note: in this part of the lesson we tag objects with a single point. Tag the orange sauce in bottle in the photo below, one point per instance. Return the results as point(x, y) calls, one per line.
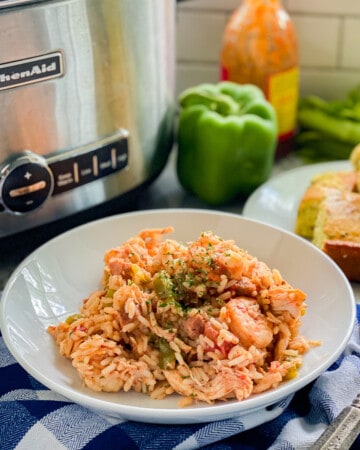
point(260, 47)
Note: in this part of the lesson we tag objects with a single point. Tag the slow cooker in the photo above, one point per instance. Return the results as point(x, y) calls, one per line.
point(87, 104)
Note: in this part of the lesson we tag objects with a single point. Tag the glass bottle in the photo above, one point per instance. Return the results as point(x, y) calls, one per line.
point(260, 47)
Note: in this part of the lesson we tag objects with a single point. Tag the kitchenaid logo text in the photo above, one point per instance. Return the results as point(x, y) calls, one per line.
point(31, 70)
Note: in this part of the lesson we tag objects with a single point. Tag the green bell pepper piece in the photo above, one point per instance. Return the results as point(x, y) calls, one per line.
point(227, 135)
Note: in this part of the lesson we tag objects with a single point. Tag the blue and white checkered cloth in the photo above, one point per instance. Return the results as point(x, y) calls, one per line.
point(33, 417)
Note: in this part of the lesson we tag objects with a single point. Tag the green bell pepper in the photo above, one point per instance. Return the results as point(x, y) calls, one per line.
point(227, 135)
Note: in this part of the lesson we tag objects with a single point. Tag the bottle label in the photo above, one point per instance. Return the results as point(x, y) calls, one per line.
point(282, 92)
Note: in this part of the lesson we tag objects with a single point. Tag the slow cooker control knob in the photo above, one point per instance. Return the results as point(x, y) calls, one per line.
point(25, 183)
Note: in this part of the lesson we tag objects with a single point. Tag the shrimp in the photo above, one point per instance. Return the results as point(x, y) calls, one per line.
point(246, 321)
point(227, 383)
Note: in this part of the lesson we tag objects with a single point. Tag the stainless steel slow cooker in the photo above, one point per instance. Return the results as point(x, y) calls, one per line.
point(87, 104)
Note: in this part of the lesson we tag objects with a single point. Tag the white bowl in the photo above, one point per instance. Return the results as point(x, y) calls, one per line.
point(50, 284)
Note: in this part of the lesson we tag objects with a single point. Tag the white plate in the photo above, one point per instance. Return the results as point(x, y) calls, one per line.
point(51, 283)
point(276, 201)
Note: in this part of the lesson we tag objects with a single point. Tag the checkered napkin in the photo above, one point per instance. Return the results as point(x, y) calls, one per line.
point(33, 417)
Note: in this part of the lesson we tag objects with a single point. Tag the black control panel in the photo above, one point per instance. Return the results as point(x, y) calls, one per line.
point(89, 166)
point(28, 180)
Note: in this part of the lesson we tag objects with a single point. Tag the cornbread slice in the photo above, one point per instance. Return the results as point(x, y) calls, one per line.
point(337, 231)
point(355, 157)
point(355, 161)
point(318, 189)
